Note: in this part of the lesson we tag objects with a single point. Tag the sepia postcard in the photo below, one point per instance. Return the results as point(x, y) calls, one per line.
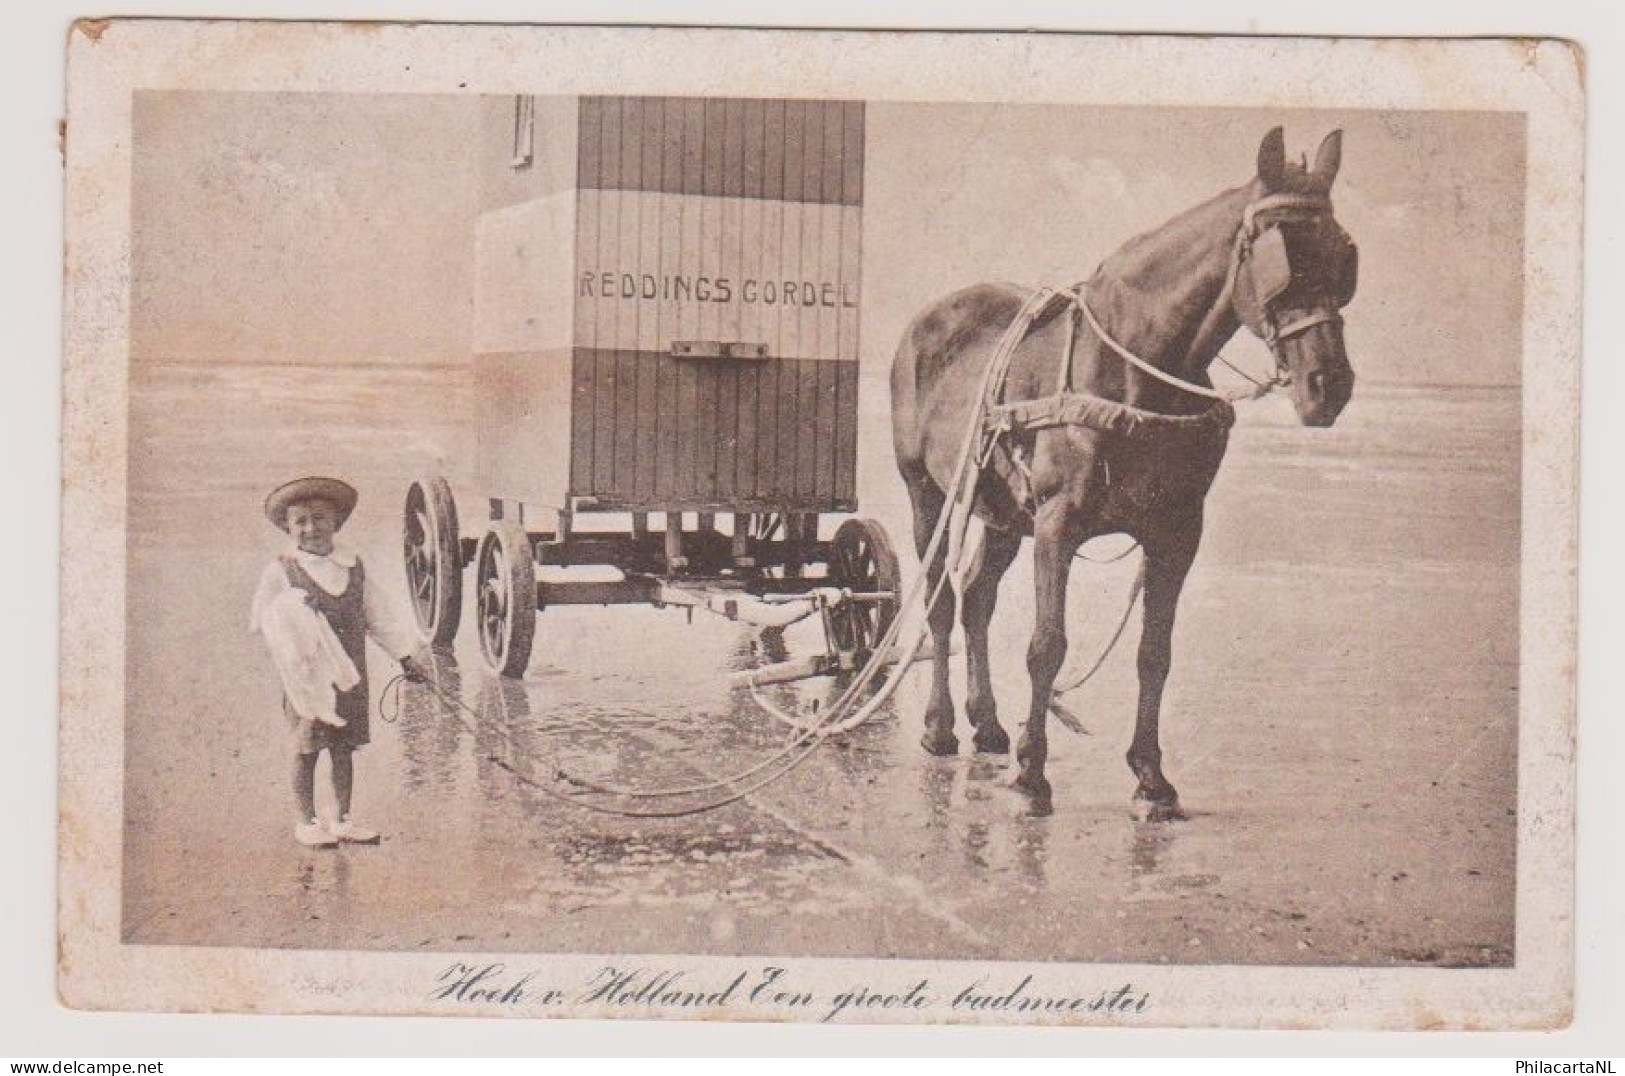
point(824, 527)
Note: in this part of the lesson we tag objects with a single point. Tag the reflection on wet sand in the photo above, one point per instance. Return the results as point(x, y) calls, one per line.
point(804, 701)
point(429, 730)
point(1148, 843)
point(753, 649)
point(970, 810)
point(868, 847)
point(322, 893)
point(503, 747)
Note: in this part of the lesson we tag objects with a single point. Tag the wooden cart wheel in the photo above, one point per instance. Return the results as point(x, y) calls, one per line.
point(505, 597)
point(862, 561)
point(434, 561)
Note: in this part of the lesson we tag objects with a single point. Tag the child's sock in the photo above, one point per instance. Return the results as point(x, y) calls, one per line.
point(343, 778)
point(304, 786)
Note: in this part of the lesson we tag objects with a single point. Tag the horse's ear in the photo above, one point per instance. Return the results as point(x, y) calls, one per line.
point(1272, 159)
point(1327, 159)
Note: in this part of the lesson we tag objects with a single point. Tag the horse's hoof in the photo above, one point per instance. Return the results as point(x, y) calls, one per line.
point(1146, 810)
point(940, 741)
point(1036, 788)
point(992, 739)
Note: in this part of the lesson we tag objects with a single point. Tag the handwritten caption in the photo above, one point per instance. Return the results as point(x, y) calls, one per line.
point(769, 991)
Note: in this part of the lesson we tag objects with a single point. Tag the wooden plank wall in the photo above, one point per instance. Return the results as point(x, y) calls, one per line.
point(650, 430)
point(717, 220)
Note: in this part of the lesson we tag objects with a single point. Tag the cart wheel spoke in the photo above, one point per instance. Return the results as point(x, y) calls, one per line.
point(433, 559)
point(505, 578)
point(862, 561)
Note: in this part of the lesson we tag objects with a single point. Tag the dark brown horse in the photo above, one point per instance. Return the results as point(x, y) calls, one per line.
point(1267, 255)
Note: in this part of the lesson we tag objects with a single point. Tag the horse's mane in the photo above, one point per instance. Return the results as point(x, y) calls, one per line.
point(1139, 252)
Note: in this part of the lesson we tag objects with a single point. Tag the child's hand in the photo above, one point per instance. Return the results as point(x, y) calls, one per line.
point(413, 671)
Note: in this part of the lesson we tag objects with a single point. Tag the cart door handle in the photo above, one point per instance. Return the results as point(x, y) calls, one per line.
point(717, 349)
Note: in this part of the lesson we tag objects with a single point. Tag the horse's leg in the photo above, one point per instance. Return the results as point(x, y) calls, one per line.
point(1166, 565)
point(999, 549)
point(928, 500)
point(1053, 547)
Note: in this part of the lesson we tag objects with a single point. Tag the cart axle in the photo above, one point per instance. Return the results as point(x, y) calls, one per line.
point(786, 672)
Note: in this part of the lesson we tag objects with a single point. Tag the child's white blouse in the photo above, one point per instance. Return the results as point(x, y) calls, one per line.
point(332, 574)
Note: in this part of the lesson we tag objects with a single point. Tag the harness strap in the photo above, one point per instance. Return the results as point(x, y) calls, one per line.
point(1064, 382)
point(1287, 202)
point(1145, 367)
point(1307, 322)
point(1098, 413)
point(1036, 305)
point(1018, 460)
point(1289, 206)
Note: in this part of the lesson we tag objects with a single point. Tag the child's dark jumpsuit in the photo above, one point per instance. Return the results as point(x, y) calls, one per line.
point(344, 613)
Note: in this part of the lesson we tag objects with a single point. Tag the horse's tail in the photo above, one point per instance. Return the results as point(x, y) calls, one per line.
point(905, 397)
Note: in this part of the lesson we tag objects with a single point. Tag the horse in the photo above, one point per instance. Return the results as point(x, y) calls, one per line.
point(1139, 338)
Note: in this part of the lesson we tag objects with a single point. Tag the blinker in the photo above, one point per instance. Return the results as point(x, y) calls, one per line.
point(1270, 266)
point(1273, 266)
point(1347, 276)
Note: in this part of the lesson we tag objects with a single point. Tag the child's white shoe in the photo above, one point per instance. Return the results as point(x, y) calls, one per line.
point(346, 830)
point(314, 835)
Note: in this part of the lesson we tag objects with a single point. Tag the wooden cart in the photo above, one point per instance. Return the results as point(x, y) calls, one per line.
point(666, 367)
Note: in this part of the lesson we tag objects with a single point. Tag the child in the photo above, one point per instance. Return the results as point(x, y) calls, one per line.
point(326, 697)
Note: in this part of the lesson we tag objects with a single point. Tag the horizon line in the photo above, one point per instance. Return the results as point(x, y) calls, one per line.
point(463, 364)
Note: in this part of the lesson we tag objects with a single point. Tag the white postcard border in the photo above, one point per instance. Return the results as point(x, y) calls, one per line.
point(109, 61)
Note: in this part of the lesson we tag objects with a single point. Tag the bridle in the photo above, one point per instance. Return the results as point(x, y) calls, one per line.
point(1258, 220)
point(1278, 209)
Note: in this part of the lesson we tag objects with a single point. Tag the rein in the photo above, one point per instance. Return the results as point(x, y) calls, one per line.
point(1162, 375)
point(996, 420)
point(1067, 407)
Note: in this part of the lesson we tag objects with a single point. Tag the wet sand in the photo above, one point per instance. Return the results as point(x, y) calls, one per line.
point(1341, 722)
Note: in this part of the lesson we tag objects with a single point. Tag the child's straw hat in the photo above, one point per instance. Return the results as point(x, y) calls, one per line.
point(341, 495)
